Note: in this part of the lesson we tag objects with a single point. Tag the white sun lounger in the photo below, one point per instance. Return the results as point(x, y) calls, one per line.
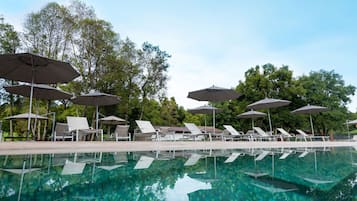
point(306, 136)
point(262, 155)
point(264, 135)
point(143, 163)
point(234, 134)
point(285, 134)
point(70, 168)
point(194, 158)
point(79, 125)
point(147, 131)
point(232, 157)
point(196, 133)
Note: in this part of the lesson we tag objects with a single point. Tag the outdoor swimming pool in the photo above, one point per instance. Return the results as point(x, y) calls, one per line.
point(246, 174)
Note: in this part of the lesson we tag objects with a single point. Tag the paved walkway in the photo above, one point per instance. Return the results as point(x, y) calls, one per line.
point(9, 148)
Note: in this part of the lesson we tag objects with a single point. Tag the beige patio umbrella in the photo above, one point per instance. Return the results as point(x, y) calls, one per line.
point(24, 116)
point(214, 94)
point(112, 120)
point(268, 103)
point(34, 69)
point(310, 109)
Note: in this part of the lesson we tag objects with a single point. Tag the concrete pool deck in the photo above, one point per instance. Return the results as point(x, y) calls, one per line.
point(15, 148)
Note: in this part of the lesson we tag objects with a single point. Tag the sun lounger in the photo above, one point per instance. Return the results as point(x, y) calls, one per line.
point(306, 136)
point(79, 126)
point(233, 157)
point(285, 134)
point(143, 163)
point(62, 132)
point(264, 135)
point(194, 158)
point(196, 133)
point(234, 134)
point(122, 133)
point(148, 132)
point(73, 168)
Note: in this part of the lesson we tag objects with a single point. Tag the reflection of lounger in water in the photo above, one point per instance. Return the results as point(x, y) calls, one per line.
point(192, 160)
point(256, 173)
point(316, 180)
point(275, 185)
point(144, 162)
point(232, 157)
point(262, 155)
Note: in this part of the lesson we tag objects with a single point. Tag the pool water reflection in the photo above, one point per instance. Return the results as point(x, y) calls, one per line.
point(251, 174)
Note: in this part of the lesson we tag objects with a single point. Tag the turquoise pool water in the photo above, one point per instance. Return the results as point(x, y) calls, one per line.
point(269, 174)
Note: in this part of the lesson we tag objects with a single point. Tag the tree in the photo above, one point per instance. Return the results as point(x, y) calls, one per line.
point(327, 88)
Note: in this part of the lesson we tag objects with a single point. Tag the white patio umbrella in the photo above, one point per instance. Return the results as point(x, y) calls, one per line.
point(310, 109)
point(268, 103)
point(214, 94)
point(31, 68)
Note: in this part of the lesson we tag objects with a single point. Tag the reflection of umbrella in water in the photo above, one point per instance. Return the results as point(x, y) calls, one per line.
point(96, 99)
point(205, 109)
point(252, 115)
point(214, 94)
point(21, 172)
point(268, 103)
point(33, 69)
point(310, 109)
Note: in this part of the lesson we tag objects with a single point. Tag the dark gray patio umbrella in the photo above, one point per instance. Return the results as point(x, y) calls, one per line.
point(310, 109)
point(205, 109)
point(40, 91)
point(252, 115)
point(31, 68)
point(96, 99)
point(268, 103)
point(214, 94)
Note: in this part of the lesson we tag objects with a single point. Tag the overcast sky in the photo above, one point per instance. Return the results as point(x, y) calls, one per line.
point(215, 42)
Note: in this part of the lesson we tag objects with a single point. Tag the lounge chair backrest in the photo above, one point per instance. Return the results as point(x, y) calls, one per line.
point(302, 133)
point(231, 130)
point(284, 132)
point(61, 129)
point(77, 123)
point(145, 126)
point(122, 130)
point(193, 128)
point(260, 131)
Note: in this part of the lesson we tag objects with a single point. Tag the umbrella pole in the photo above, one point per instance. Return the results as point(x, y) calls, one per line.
point(253, 124)
point(30, 110)
point(312, 126)
point(205, 124)
point(96, 117)
point(271, 129)
point(214, 122)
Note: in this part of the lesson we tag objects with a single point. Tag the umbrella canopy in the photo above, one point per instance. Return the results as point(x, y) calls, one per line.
point(352, 122)
point(268, 103)
point(25, 116)
point(213, 94)
point(205, 109)
point(27, 67)
point(252, 115)
point(40, 91)
point(96, 99)
point(32, 68)
point(310, 109)
point(112, 120)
